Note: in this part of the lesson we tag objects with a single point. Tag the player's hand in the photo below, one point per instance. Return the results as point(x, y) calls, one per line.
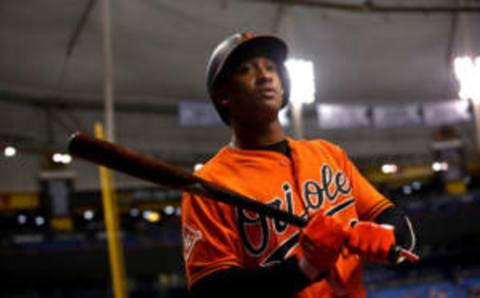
point(371, 241)
point(320, 244)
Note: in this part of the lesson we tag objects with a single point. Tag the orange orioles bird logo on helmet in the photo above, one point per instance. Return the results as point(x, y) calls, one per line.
point(248, 35)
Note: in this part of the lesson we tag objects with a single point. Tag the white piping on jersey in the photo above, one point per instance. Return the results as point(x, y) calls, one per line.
point(412, 234)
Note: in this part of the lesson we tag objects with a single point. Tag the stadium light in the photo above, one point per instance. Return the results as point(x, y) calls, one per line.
point(302, 81)
point(416, 185)
point(9, 151)
point(134, 212)
point(62, 158)
point(389, 168)
point(407, 190)
point(152, 216)
point(88, 214)
point(21, 219)
point(440, 166)
point(169, 210)
point(302, 90)
point(467, 71)
point(39, 220)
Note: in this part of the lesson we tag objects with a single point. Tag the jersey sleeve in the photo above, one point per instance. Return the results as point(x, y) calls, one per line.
point(210, 242)
point(369, 202)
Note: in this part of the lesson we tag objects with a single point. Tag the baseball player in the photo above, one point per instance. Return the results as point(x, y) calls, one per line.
point(230, 252)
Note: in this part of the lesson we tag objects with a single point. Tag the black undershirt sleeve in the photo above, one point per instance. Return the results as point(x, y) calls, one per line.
point(281, 280)
point(394, 216)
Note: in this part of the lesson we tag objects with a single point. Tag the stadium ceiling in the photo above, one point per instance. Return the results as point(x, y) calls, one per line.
point(53, 49)
point(388, 6)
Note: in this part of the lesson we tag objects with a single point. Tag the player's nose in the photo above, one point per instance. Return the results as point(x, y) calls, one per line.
point(263, 74)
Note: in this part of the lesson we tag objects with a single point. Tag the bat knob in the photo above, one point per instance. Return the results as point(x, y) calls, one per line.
point(397, 254)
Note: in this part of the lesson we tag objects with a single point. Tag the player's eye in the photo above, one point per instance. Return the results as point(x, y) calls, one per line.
point(243, 68)
point(270, 66)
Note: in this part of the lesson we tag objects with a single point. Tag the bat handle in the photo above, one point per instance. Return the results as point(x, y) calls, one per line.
point(398, 253)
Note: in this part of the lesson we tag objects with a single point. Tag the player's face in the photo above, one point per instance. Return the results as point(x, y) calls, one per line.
point(255, 90)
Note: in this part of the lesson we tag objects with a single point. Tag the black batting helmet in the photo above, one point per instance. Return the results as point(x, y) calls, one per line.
point(231, 51)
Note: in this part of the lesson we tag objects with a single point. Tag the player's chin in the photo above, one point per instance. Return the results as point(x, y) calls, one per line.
point(269, 102)
point(268, 113)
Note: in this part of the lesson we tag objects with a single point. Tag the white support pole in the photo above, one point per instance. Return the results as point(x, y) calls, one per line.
point(297, 120)
point(108, 72)
point(476, 115)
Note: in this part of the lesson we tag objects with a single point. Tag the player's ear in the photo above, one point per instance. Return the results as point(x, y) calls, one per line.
point(222, 100)
point(221, 96)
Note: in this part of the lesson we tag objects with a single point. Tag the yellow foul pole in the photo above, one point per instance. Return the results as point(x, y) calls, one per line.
point(110, 214)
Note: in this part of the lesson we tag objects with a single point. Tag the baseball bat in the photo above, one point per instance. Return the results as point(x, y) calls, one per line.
point(147, 168)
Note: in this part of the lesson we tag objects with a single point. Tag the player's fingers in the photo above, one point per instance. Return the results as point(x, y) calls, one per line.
point(388, 241)
point(353, 240)
point(364, 247)
point(385, 247)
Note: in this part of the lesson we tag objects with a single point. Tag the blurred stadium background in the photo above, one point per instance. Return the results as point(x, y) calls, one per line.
point(387, 90)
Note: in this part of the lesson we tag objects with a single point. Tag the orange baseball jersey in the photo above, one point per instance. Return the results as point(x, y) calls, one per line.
point(319, 177)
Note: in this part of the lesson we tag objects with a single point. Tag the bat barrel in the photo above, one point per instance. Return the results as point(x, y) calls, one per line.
point(128, 161)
